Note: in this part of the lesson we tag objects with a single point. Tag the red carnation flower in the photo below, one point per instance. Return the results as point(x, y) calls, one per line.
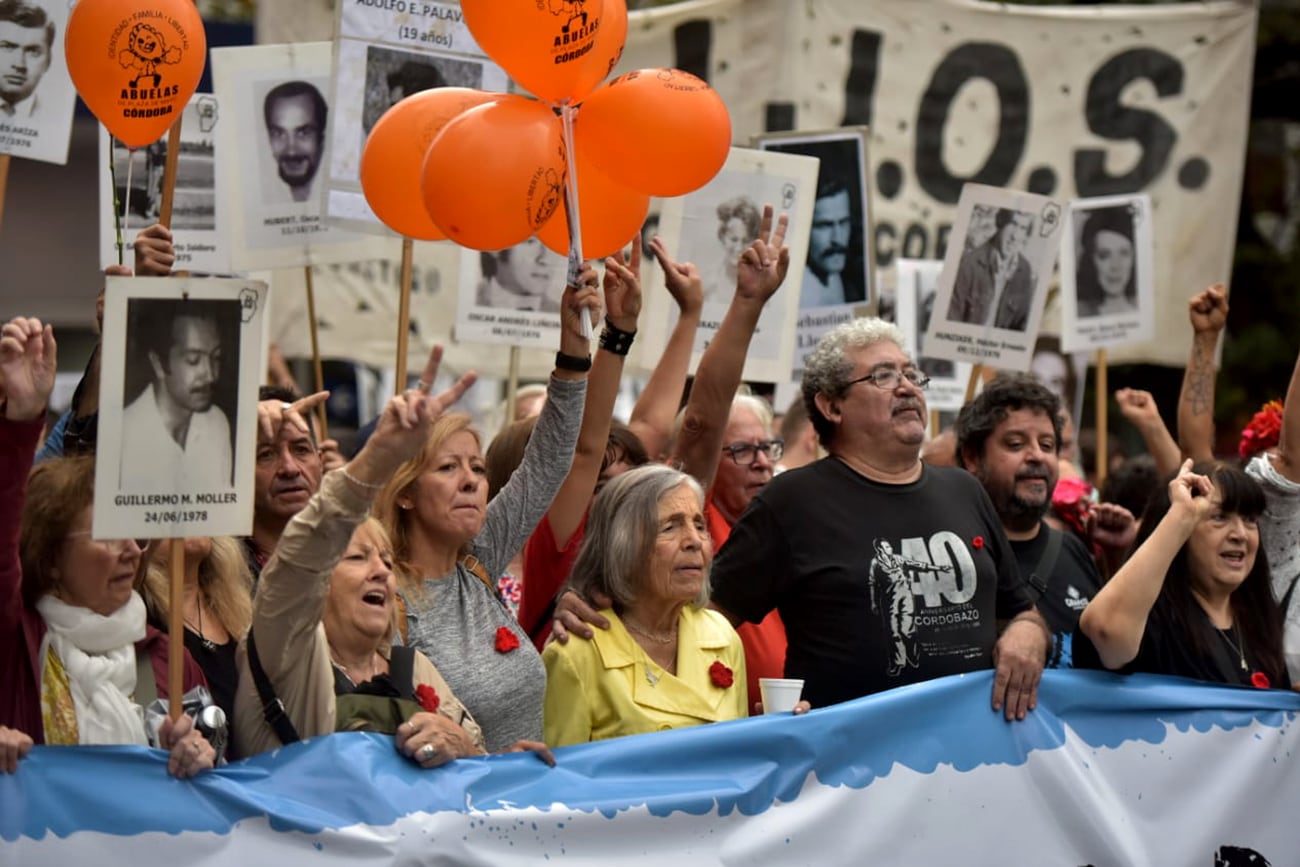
point(1260, 680)
point(428, 698)
point(1264, 430)
point(721, 675)
point(506, 640)
point(977, 542)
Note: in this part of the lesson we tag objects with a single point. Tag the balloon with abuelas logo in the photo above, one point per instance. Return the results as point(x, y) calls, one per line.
point(135, 63)
point(547, 46)
point(392, 163)
point(495, 174)
point(609, 212)
point(607, 50)
point(661, 131)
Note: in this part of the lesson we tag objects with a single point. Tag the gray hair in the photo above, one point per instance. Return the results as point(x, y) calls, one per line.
point(829, 367)
point(621, 530)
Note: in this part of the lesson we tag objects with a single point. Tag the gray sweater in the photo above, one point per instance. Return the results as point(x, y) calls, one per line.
point(456, 618)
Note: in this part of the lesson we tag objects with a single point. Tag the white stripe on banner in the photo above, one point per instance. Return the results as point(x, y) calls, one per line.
point(1107, 771)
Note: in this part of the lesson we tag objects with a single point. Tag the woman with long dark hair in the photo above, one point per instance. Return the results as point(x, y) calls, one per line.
point(1194, 599)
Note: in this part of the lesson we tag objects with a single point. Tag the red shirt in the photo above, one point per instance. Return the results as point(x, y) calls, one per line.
point(546, 568)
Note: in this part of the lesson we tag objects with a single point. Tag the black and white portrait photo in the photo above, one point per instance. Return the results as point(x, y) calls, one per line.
point(182, 360)
point(839, 258)
point(1106, 268)
point(528, 276)
point(36, 94)
point(295, 114)
point(996, 272)
point(178, 407)
point(995, 283)
point(511, 296)
point(393, 74)
point(711, 227)
point(272, 155)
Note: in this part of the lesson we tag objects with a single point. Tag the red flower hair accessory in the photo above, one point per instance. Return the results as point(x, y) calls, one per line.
point(428, 698)
point(1260, 680)
point(506, 640)
point(721, 675)
point(1264, 430)
point(977, 543)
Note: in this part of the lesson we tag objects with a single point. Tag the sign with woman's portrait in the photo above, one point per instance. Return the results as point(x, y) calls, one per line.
point(1107, 284)
point(995, 277)
point(182, 361)
point(711, 228)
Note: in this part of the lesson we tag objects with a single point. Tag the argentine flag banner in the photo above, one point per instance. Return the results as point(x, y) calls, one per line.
point(1107, 771)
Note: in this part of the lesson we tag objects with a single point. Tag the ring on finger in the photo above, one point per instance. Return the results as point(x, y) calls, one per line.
point(427, 752)
point(423, 386)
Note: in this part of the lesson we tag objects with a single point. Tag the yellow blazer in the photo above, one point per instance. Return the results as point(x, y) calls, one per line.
point(603, 688)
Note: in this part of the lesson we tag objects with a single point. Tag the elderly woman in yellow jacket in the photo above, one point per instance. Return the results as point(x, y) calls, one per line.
point(666, 661)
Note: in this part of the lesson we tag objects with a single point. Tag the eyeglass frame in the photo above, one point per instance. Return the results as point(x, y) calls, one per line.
point(766, 447)
point(913, 375)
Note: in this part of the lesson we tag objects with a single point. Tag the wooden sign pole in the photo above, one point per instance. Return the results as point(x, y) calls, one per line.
point(317, 368)
point(1103, 407)
point(404, 315)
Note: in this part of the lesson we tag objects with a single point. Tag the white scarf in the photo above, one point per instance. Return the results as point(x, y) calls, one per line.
point(98, 654)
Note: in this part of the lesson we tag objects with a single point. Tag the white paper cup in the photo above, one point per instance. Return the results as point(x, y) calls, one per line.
point(780, 694)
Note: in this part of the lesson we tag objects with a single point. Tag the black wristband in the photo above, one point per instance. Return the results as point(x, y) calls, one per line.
point(576, 363)
point(614, 339)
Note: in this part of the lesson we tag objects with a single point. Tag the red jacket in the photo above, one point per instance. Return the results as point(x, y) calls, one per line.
point(22, 629)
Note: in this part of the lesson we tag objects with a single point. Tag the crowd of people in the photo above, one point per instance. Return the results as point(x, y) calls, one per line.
point(579, 577)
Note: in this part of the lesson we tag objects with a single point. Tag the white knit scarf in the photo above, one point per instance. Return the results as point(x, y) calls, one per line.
point(98, 654)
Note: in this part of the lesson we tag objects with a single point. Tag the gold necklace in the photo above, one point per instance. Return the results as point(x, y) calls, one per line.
point(657, 639)
point(1238, 647)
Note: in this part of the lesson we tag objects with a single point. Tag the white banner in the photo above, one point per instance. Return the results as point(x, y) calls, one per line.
point(1107, 770)
point(1069, 102)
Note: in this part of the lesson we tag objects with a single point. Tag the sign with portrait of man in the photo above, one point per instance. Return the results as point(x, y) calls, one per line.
point(915, 294)
point(36, 93)
point(511, 296)
point(835, 283)
point(385, 52)
point(995, 277)
point(271, 155)
point(182, 361)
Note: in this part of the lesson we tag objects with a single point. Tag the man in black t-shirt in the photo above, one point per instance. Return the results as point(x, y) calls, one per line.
point(1009, 437)
point(871, 528)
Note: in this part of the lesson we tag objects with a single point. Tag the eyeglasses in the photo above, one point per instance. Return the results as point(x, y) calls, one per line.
point(888, 378)
point(746, 454)
point(142, 544)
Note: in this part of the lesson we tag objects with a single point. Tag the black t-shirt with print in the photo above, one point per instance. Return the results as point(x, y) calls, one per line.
point(878, 585)
point(1062, 594)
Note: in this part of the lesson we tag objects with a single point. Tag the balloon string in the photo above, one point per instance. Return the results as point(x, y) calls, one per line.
point(126, 202)
point(112, 181)
point(567, 112)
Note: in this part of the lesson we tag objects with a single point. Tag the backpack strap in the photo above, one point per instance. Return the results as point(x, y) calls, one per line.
point(476, 567)
point(272, 708)
point(401, 670)
point(1046, 563)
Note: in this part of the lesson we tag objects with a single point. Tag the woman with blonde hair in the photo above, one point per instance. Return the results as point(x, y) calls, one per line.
point(217, 607)
point(451, 544)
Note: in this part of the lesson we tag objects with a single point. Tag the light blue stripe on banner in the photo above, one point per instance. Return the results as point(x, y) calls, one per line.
point(746, 766)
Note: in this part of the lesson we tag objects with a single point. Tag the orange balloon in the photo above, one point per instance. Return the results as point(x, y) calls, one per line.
point(610, 213)
point(495, 174)
point(135, 63)
point(608, 50)
point(392, 162)
point(661, 131)
point(547, 46)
